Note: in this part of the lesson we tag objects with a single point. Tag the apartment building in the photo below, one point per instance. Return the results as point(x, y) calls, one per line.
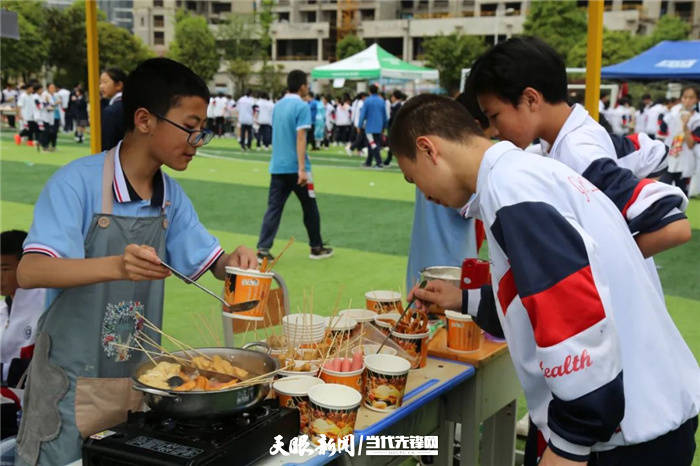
point(305, 32)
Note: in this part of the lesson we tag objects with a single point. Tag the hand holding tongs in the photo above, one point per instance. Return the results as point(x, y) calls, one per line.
point(231, 307)
point(410, 303)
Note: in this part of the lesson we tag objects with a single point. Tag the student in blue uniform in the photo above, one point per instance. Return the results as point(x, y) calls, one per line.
point(100, 226)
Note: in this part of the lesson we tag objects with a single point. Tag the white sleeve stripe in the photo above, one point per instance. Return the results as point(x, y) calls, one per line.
point(674, 211)
point(652, 193)
point(211, 258)
point(565, 445)
point(42, 249)
point(303, 127)
point(473, 302)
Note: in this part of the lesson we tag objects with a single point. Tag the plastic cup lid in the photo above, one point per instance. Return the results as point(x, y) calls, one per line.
point(248, 272)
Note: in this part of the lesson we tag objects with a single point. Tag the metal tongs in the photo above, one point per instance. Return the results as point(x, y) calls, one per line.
point(231, 307)
point(410, 304)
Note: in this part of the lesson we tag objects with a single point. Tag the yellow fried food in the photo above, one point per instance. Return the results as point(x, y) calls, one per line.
point(220, 365)
point(158, 375)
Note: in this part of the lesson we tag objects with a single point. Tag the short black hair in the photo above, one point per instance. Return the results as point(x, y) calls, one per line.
point(472, 105)
point(295, 79)
point(157, 85)
point(508, 68)
point(11, 242)
point(646, 97)
point(116, 74)
point(430, 114)
point(373, 89)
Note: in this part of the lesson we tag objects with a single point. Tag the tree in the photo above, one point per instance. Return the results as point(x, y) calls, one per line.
point(65, 30)
point(449, 54)
point(667, 28)
point(561, 24)
point(618, 46)
point(118, 48)
point(195, 45)
point(270, 78)
point(266, 17)
point(350, 45)
point(27, 55)
point(239, 37)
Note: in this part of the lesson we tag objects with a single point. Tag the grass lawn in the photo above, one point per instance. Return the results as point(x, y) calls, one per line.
point(366, 216)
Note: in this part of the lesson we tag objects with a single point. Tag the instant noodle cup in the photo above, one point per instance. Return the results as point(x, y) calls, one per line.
point(385, 322)
point(352, 379)
point(463, 334)
point(243, 285)
point(384, 301)
point(333, 411)
point(293, 392)
point(415, 345)
point(385, 381)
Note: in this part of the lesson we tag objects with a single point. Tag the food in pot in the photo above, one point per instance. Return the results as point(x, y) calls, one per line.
point(169, 376)
point(218, 364)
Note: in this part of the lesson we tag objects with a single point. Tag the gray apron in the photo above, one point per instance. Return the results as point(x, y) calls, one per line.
point(78, 383)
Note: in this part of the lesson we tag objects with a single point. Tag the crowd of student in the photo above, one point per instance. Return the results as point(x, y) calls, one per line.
point(336, 121)
point(573, 215)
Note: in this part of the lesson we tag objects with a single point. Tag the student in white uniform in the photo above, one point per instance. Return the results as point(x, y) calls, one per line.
point(244, 105)
point(19, 311)
point(264, 117)
point(581, 327)
point(683, 126)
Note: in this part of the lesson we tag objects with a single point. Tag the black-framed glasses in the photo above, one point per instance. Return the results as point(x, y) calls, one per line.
point(195, 137)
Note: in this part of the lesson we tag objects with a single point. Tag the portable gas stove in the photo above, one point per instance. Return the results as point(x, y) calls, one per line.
point(150, 439)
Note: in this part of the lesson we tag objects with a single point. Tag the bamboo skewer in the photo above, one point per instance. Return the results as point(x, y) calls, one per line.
point(148, 340)
point(274, 262)
point(174, 340)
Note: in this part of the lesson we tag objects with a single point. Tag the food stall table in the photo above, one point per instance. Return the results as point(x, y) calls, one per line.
point(429, 393)
point(489, 398)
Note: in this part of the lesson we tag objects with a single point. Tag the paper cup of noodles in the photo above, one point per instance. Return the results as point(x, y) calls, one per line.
point(333, 411)
point(243, 285)
point(293, 392)
point(385, 322)
point(385, 381)
point(352, 379)
point(415, 345)
point(384, 301)
point(463, 335)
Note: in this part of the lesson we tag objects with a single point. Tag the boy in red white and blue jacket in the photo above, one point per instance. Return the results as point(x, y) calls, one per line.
point(607, 376)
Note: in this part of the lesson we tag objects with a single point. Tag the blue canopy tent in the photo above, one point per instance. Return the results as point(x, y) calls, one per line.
point(676, 60)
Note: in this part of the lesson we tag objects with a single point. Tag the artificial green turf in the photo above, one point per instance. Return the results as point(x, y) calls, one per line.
point(366, 216)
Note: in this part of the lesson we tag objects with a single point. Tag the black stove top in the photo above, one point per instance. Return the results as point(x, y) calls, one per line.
point(148, 439)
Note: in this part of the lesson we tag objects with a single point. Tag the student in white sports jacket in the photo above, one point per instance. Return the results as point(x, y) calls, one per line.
point(607, 376)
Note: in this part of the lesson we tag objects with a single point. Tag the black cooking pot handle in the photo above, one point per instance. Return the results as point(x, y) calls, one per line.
point(261, 344)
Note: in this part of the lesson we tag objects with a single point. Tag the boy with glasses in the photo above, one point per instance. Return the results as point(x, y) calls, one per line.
point(105, 222)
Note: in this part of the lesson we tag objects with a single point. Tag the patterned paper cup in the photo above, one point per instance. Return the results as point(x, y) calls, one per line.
point(383, 301)
point(415, 345)
point(385, 322)
point(385, 381)
point(352, 379)
point(243, 285)
point(293, 392)
point(333, 411)
point(463, 335)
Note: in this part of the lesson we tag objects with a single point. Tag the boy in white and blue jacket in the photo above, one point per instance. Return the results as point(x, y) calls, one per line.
point(607, 376)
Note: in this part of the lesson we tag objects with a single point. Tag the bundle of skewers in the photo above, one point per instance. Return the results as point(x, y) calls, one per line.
point(189, 368)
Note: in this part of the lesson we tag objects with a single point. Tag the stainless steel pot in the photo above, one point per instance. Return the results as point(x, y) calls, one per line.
point(197, 404)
